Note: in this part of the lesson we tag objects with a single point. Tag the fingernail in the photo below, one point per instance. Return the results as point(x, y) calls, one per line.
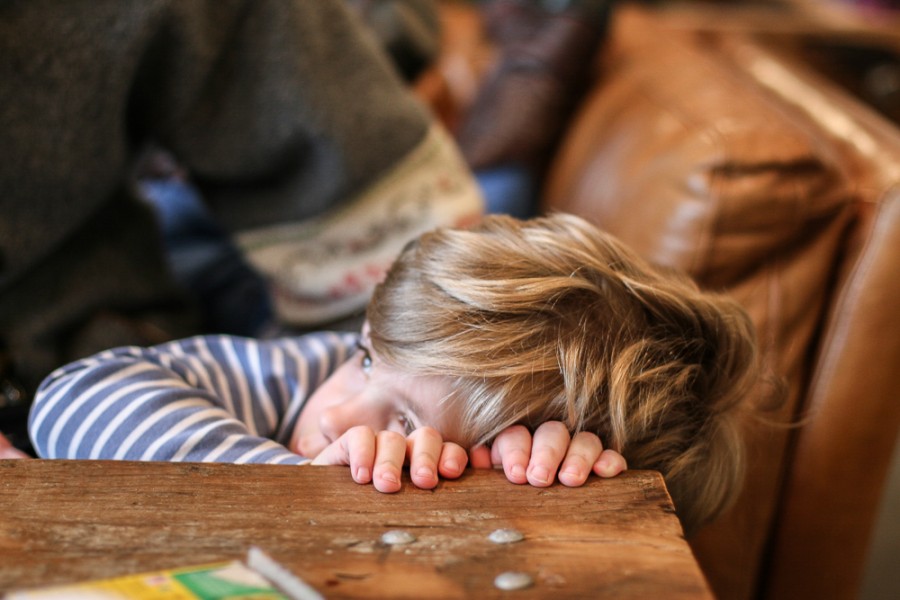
point(425, 473)
point(573, 471)
point(517, 471)
point(362, 475)
point(541, 474)
point(452, 466)
point(389, 477)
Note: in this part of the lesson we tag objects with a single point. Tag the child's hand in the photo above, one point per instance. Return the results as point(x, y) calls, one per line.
point(536, 460)
point(7, 450)
point(379, 457)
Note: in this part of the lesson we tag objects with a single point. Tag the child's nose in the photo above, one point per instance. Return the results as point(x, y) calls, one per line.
point(337, 419)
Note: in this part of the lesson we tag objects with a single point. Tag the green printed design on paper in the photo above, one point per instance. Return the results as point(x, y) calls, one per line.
point(229, 582)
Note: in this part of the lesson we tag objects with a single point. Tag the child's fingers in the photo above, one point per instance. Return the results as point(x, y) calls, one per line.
point(453, 460)
point(423, 447)
point(480, 457)
point(512, 449)
point(584, 451)
point(610, 464)
point(360, 443)
point(356, 448)
point(390, 454)
point(7, 450)
point(551, 440)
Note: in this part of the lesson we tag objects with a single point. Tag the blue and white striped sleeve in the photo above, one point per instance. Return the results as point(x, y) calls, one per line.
point(202, 399)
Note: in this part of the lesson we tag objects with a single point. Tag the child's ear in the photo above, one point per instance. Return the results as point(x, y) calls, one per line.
point(365, 331)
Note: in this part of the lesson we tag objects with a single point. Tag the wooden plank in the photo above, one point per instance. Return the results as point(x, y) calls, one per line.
point(67, 521)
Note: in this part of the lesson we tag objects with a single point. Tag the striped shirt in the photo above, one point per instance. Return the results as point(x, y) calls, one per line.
point(201, 399)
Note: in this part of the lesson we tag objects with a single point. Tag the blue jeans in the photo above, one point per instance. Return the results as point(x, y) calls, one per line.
point(508, 190)
point(232, 296)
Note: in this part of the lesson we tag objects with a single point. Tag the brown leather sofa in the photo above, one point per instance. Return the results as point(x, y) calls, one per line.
point(712, 152)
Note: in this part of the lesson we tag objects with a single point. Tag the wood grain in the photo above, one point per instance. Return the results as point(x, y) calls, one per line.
point(67, 521)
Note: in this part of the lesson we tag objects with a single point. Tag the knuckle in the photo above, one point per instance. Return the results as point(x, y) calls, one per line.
point(550, 446)
point(556, 428)
point(580, 458)
point(587, 436)
point(588, 439)
point(426, 457)
point(519, 454)
point(557, 425)
point(513, 432)
point(390, 437)
point(427, 433)
point(360, 430)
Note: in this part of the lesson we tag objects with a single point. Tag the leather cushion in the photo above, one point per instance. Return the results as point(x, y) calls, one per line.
point(679, 154)
point(695, 169)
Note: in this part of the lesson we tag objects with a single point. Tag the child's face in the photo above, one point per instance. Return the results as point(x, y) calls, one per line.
point(367, 391)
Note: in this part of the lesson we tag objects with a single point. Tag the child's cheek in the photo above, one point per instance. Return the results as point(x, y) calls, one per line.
point(294, 444)
point(342, 385)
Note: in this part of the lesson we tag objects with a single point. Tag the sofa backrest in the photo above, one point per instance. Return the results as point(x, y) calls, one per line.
point(717, 156)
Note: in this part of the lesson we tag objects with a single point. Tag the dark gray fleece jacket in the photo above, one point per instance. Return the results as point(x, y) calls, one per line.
point(279, 109)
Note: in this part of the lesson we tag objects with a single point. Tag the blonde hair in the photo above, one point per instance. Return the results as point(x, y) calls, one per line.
point(552, 319)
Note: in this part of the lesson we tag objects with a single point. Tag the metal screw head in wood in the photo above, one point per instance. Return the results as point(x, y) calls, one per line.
point(506, 536)
point(513, 580)
point(397, 537)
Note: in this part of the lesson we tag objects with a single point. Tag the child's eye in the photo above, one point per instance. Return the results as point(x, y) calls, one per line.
point(366, 361)
point(406, 423)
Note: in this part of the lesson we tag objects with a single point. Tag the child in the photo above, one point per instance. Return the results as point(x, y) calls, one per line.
point(474, 337)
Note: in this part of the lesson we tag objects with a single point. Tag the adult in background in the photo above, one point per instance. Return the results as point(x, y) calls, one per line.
point(298, 133)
